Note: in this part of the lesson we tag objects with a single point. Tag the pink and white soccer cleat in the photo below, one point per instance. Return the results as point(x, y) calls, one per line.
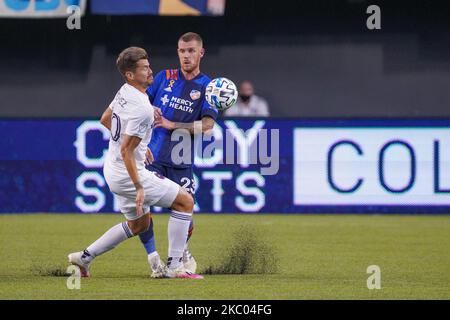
point(181, 272)
point(75, 258)
point(189, 262)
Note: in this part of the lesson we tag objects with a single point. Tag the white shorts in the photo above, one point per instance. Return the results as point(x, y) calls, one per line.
point(159, 191)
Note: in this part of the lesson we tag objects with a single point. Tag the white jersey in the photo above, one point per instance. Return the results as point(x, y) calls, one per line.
point(132, 115)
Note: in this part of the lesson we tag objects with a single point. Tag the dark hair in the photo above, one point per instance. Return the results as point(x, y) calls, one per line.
point(128, 58)
point(189, 36)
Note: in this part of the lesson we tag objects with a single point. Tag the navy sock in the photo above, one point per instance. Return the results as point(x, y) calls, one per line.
point(148, 239)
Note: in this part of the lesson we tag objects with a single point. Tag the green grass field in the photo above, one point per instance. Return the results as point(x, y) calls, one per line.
point(317, 257)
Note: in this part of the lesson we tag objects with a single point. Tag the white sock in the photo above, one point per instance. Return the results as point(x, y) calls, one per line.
point(153, 255)
point(178, 232)
point(108, 241)
point(153, 259)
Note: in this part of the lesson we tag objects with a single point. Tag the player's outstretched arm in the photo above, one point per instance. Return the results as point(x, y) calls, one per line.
point(105, 120)
point(127, 148)
point(205, 125)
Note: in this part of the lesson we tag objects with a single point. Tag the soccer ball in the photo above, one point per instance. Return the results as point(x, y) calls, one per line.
point(221, 93)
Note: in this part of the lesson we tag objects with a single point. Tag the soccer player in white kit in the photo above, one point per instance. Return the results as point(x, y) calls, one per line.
point(135, 187)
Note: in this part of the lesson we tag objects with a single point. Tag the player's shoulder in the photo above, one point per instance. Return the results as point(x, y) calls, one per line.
point(166, 75)
point(174, 74)
point(204, 79)
point(128, 91)
point(133, 96)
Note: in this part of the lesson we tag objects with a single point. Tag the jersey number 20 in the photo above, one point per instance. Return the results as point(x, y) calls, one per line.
point(115, 127)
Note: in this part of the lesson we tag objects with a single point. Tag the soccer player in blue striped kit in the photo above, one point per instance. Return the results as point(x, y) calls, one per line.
point(178, 96)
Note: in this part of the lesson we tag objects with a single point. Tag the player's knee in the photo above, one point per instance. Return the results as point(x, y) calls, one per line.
point(184, 202)
point(135, 229)
point(187, 205)
point(139, 226)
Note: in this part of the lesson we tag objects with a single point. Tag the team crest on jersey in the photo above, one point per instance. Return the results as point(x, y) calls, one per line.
point(195, 94)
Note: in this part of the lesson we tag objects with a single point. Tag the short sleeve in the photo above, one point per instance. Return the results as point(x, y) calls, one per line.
point(112, 102)
point(152, 90)
point(138, 124)
point(208, 110)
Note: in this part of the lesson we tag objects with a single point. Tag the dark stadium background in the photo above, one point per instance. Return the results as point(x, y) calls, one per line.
point(313, 59)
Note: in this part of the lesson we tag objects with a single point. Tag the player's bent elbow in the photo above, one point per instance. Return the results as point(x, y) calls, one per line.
point(105, 119)
point(126, 155)
point(208, 128)
point(123, 153)
point(208, 131)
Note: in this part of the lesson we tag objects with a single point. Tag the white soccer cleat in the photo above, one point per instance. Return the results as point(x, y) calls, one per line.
point(189, 262)
point(159, 269)
point(181, 272)
point(159, 272)
point(75, 259)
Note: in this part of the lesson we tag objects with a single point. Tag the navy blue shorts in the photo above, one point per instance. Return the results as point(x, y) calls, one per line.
point(183, 176)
